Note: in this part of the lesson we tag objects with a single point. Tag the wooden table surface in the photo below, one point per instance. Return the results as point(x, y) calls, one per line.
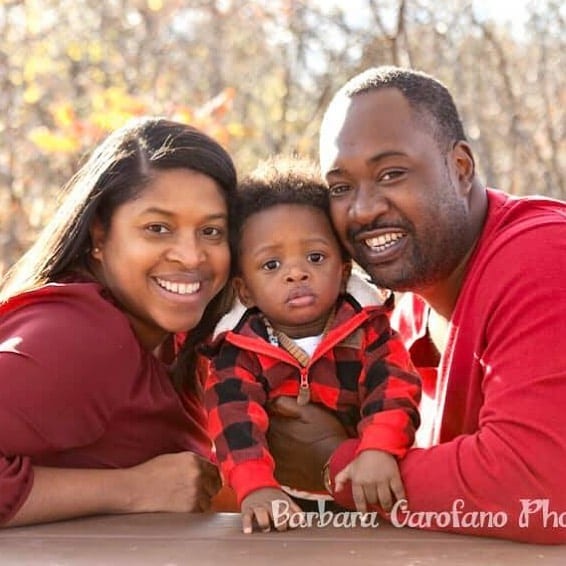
point(169, 539)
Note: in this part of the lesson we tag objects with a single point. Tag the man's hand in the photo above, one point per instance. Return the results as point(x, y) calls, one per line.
point(375, 479)
point(258, 505)
point(301, 440)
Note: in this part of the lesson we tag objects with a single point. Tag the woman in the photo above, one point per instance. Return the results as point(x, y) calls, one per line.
point(94, 416)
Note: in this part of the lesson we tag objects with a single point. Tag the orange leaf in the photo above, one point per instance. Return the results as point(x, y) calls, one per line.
point(52, 142)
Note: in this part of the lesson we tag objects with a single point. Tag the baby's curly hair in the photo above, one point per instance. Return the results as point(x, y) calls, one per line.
point(279, 180)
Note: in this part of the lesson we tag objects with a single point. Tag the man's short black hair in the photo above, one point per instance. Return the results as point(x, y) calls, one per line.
point(427, 96)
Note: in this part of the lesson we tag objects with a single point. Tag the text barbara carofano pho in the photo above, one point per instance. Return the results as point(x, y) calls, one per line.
point(456, 517)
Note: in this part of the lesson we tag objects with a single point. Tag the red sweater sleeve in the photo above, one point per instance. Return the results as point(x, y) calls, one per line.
point(237, 421)
point(390, 390)
point(56, 368)
point(504, 446)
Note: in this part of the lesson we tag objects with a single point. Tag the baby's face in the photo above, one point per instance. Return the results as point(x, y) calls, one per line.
point(291, 267)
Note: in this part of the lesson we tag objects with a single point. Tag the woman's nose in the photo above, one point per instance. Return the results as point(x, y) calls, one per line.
point(186, 251)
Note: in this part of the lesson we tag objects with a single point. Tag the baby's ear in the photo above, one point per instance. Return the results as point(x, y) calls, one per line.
point(243, 292)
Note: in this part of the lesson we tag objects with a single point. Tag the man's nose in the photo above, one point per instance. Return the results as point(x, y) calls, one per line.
point(367, 204)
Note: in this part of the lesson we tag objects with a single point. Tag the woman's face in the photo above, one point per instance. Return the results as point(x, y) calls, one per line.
point(165, 254)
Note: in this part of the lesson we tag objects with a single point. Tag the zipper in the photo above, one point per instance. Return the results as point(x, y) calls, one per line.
point(273, 350)
point(304, 395)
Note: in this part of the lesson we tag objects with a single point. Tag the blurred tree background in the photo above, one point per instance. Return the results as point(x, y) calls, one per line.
point(257, 75)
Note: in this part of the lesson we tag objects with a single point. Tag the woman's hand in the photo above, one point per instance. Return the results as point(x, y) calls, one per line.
point(181, 482)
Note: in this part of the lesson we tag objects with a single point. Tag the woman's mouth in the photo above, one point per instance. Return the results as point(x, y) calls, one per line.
point(179, 288)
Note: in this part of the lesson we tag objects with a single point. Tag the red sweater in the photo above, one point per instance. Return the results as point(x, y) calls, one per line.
point(497, 421)
point(77, 390)
point(360, 370)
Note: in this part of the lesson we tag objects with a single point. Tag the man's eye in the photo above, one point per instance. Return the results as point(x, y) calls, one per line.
point(338, 190)
point(270, 265)
point(390, 175)
point(316, 257)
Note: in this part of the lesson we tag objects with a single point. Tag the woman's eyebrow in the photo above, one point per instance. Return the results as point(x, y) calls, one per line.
point(170, 213)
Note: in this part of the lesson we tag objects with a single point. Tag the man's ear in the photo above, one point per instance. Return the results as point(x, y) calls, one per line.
point(464, 164)
point(97, 238)
point(243, 292)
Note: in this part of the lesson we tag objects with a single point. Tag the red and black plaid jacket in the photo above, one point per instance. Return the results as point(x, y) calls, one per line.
point(360, 370)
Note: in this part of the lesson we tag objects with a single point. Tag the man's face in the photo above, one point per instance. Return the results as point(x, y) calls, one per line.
point(397, 200)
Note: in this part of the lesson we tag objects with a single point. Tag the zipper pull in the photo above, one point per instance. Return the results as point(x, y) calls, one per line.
point(304, 395)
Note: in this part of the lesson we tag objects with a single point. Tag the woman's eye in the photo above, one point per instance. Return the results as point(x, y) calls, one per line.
point(157, 228)
point(270, 265)
point(316, 257)
point(213, 232)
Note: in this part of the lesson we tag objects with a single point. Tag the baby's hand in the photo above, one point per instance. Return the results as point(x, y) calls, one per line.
point(375, 477)
point(258, 505)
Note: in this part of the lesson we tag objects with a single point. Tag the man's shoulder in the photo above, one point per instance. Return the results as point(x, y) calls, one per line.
point(511, 216)
point(520, 232)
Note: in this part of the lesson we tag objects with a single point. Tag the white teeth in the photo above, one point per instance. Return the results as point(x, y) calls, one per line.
point(381, 243)
point(178, 288)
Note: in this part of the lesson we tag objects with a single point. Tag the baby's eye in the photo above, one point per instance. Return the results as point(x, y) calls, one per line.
point(157, 228)
point(316, 257)
point(271, 265)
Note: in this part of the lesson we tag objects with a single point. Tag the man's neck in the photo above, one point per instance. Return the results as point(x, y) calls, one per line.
point(443, 295)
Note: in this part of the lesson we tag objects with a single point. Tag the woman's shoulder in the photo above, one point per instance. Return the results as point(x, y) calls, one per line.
point(74, 298)
point(69, 315)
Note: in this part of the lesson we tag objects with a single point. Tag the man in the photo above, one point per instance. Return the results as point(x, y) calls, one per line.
point(483, 311)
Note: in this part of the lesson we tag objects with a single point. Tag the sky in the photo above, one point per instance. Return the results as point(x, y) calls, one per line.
point(512, 11)
point(506, 11)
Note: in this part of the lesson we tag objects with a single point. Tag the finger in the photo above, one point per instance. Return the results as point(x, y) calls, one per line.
point(284, 407)
point(281, 524)
point(341, 478)
point(204, 503)
point(371, 493)
point(398, 489)
point(263, 519)
point(212, 485)
point(294, 507)
point(385, 496)
point(210, 478)
point(359, 497)
point(247, 522)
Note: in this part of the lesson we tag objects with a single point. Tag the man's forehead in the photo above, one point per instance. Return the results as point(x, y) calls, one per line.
point(384, 113)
